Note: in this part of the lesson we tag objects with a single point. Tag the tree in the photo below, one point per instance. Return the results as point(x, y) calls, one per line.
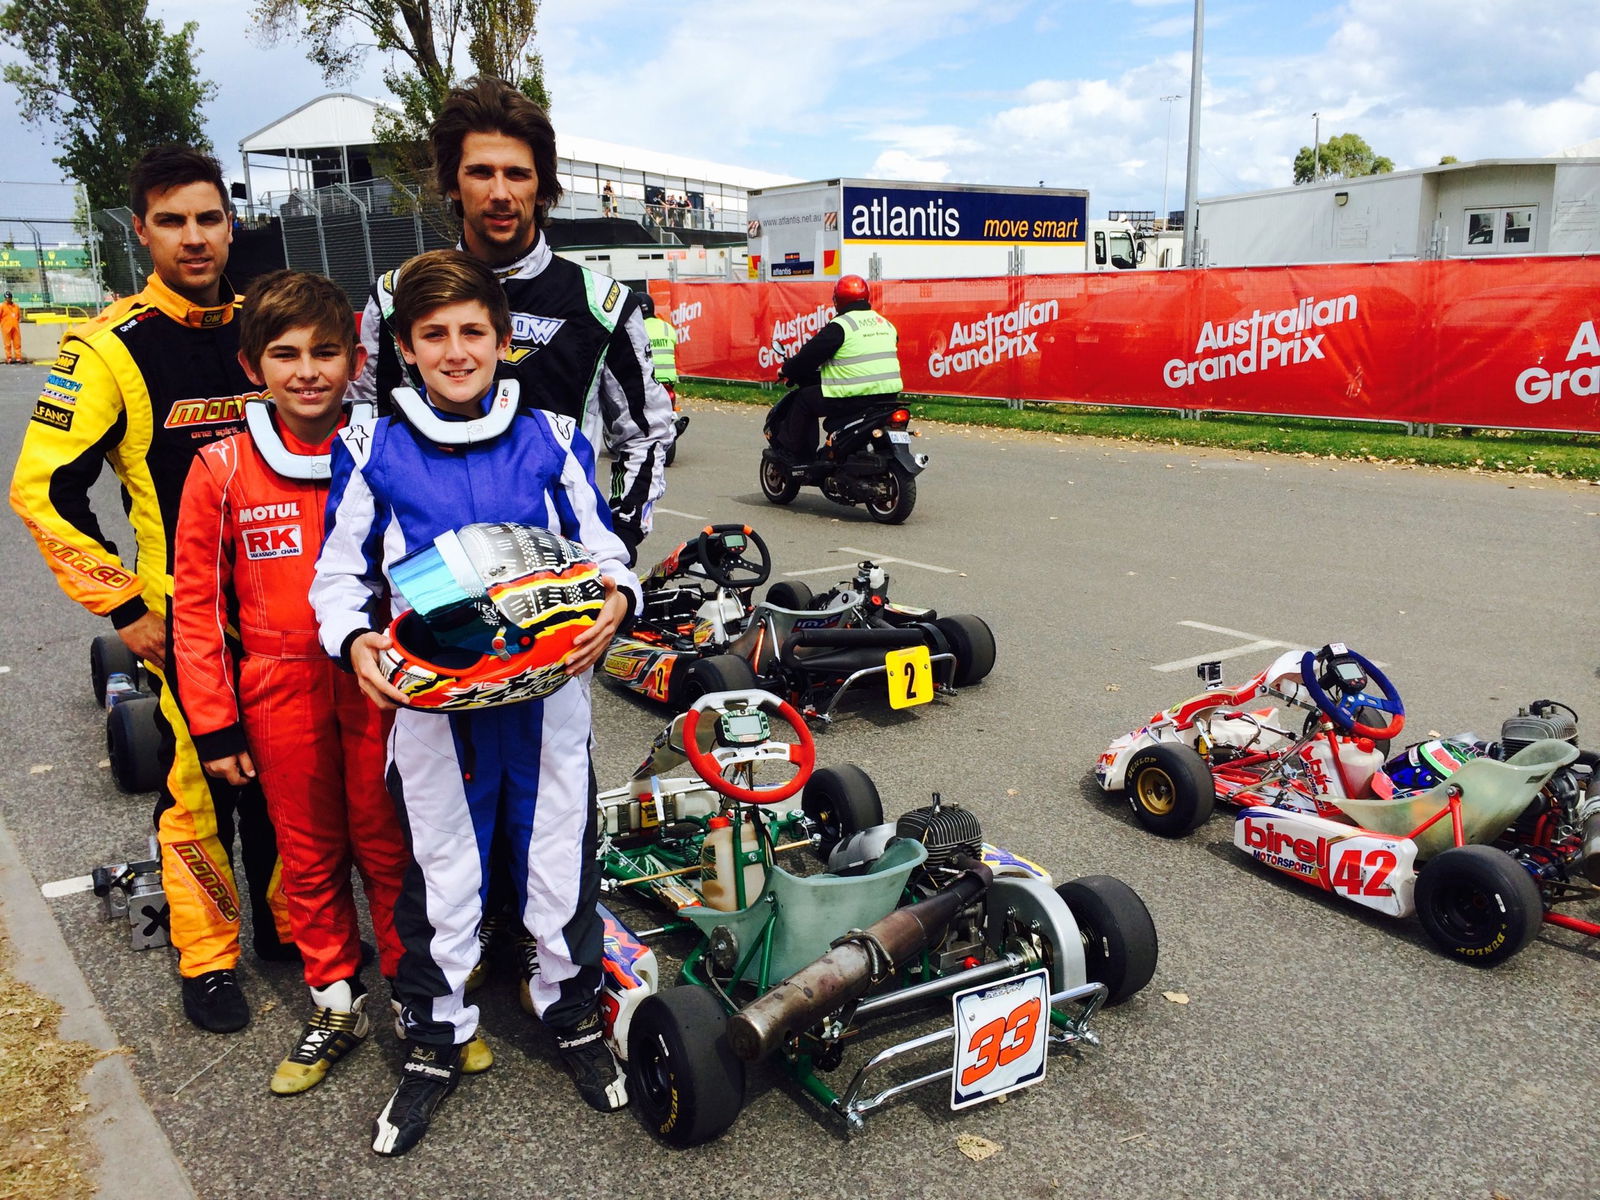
point(425, 40)
point(1346, 156)
point(111, 79)
point(1448, 159)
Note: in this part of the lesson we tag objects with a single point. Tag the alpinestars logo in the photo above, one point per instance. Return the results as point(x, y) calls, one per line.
point(1259, 341)
point(529, 334)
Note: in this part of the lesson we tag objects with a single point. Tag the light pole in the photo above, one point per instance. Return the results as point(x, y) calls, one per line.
point(1316, 145)
point(1191, 179)
point(1166, 166)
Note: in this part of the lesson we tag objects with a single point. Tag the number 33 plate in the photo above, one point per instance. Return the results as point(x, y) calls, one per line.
point(1001, 1037)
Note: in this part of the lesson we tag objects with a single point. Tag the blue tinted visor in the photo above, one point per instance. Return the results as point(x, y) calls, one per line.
point(441, 585)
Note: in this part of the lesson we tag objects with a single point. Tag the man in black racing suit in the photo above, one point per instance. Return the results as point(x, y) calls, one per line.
point(578, 343)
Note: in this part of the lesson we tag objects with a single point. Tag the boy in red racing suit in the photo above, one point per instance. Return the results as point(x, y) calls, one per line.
point(250, 526)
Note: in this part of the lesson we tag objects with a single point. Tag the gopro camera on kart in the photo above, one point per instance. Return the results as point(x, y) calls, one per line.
point(1210, 673)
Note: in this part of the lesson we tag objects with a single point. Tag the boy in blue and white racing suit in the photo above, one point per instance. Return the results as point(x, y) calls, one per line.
point(464, 455)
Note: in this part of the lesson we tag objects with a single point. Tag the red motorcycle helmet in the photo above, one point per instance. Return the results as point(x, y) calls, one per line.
point(494, 611)
point(851, 289)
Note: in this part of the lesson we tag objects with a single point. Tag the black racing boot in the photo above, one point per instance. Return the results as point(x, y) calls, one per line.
point(588, 1059)
point(430, 1073)
point(215, 1001)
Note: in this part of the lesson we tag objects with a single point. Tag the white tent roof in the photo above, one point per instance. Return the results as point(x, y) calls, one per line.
point(337, 119)
point(344, 119)
point(1589, 149)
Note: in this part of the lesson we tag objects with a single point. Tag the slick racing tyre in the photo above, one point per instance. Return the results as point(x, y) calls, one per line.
point(972, 642)
point(1478, 904)
point(776, 485)
point(109, 655)
point(1119, 938)
point(719, 673)
point(133, 743)
point(1169, 788)
point(899, 496)
point(789, 593)
point(683, 1077)
point(840, 801)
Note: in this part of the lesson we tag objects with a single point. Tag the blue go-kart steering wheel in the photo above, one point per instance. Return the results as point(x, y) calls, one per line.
point(1342, 712)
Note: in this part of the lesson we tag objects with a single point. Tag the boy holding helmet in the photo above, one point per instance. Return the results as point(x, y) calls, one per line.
point(402, 493)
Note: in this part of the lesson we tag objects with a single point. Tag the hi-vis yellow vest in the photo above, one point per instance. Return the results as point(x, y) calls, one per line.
point(663, 348)
point(866, 364)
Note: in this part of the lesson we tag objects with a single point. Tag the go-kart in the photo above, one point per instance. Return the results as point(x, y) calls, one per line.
point(1478, 843)
point(133, 743)
point(702, 631)
point(796, 966)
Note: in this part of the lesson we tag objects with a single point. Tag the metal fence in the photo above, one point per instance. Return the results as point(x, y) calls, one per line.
point(352, 233)
point(47, 261)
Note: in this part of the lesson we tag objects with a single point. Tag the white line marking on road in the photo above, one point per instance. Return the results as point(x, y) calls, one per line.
point(672, 512)
point(66, 887)
point(881, 560)
point(1183, 664)
point(1230, 632)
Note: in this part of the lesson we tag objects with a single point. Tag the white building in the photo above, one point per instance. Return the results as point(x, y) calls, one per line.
point(1492, 206)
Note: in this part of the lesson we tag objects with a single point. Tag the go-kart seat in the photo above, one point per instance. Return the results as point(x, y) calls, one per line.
point(813, 910)
point(1493, 795)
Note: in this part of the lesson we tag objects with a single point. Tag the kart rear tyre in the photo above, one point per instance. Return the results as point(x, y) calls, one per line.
point(898, 499)
point(972, 642)
point(1170, 789)
point(719, 673)
point(1119, 938)
point(790, 593)
point(133, 743)
point(1478, 904)
point(109, 655)
point(776, 485)
point(841, 801)
point(683, 1077)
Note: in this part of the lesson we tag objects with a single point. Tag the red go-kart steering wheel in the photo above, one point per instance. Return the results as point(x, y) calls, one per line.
point(711, 764)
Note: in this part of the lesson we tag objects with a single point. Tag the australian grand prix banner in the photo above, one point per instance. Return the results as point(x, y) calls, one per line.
point(1507, 342)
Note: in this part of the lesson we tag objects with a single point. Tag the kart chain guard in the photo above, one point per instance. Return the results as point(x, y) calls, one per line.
point(1031, 902)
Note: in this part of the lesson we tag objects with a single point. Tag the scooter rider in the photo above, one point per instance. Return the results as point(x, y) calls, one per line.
point(663, 342)
point(850, 362)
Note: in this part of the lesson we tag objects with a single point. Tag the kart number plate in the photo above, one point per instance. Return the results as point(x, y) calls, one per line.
point(1002, 1033)
point(910, 676)
point(899, 435)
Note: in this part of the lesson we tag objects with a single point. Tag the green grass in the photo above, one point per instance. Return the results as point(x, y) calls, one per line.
point(1557, 455)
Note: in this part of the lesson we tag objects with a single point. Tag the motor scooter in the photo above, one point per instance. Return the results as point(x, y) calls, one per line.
point(866, 458)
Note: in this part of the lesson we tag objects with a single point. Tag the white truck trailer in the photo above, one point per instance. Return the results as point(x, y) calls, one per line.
point(883, 229)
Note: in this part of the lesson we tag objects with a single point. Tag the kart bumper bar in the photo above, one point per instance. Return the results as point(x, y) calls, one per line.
point(1069, 1028)
point(946, 670)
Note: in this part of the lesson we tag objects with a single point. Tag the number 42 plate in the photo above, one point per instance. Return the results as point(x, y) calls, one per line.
point(1002, 1033)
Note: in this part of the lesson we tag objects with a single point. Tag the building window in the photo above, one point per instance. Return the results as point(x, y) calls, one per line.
point(1500, 229)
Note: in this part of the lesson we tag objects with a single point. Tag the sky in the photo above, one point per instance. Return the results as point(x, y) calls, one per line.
point(1064, 92)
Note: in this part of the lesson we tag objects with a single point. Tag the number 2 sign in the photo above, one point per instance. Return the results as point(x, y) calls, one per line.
point(1002, 1033)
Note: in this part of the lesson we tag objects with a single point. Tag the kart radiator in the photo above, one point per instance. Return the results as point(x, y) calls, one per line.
point(946, 830)
point(1541, 719)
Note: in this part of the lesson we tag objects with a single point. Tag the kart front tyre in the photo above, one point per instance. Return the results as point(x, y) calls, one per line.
point(972, 642)
point(791, 594)
point(1170, 789)
point(898, 498)
point(683, 1077)
point(1119, 938)
point(133, 744)
point(1478, 904)
point(776, 485)
point(109, 655)
point(719, 673)
point(841, 801)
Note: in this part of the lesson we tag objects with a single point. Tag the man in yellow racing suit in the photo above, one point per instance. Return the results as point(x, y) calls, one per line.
point(143, 387)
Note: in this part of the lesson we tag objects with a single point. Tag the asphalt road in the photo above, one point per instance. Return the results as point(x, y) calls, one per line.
point(1321, 1051)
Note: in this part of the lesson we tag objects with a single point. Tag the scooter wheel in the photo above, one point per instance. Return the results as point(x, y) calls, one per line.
point(899, 496)
point(776, 485)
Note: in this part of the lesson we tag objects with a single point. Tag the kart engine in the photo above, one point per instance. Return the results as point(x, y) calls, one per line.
point(948, 832)
point(1561, 828)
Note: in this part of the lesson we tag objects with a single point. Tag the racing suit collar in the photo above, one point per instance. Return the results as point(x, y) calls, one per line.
point(185, 311)
point(529, 265)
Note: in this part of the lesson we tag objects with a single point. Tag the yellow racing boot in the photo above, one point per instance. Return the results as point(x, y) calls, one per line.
point(336, 1027)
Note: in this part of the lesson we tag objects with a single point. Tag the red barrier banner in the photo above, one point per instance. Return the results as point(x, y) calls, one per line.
point(1506, 342)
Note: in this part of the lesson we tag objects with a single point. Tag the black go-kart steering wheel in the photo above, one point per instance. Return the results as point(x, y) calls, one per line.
point(1337, 668)
point(733, 556)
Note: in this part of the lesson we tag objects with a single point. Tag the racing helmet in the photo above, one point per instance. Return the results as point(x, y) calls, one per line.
point(1419, 767)
point(851, 289)
point(647, 305)
point(494, 608)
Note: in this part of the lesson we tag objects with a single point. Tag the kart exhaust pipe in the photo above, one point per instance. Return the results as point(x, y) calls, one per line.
point(855, 963)
point(1589, 819)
